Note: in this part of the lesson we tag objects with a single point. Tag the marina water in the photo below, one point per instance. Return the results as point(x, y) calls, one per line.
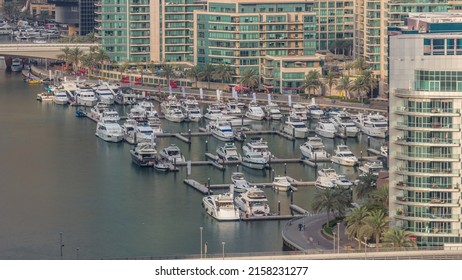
point(56, 176)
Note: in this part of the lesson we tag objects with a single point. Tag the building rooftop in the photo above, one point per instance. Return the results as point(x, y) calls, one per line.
point(436, 17)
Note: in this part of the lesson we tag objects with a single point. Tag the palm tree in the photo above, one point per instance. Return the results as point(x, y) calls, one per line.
point(312, 82)
point(140, 69)
point(88, 61)
point(355, 223)
point(194, 73)
point(375, 224)
point(370, 81)
point(360, 64)
point(168, 72)
point(75, 56)
point(366, 185)
point(379, 198)
point(330, 81)
point(223, 73)
point(65, 55)
point(123, 67)
point(360, 86)
point(344, 85)
point(398, 238)
point(101, 58)
point(207, 73)
point(330, 200)
point(249, 78)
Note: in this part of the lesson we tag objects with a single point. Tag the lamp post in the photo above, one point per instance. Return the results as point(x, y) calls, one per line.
point(338, 230)
point(334, 242)
point(205, 249)
point(223, 249)
point(365, 246)
point(201, 228)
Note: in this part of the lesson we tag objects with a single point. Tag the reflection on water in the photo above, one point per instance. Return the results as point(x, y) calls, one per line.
point(58, 177)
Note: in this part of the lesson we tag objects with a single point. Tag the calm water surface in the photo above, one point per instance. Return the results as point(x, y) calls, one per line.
point(56, 176)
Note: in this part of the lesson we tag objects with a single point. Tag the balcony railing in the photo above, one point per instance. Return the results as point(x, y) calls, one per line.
point(427, 200)
point(429, 186)
point(432, 125)
point(428, 110)
point(434, 230)
point(433, 140)
point(429, 155)
point(430, 216)
point(429, 170)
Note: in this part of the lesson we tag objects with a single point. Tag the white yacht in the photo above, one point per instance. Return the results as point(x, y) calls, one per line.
point(137, 131)
point(173, 154)
point(314, 110)
point(156, 125)
point(104, 95)
point(325, 128)
point(253, 202)
point(281, 183)
point(221, 206)
point(255, 112)
point(149, 109)
point(228, 152)
point(191, 109)
point(221, 129)
point(213, 112)
point(344, 156)
point(45, 96)
point(174, 114)
point(232, 108)
point(239, 182)
point(16, 65)
point(373, 167)
point(313, 149)
point(109, 130)
point(298, 111)
point(254, 160)
point(295, 128)
point(60, 98)
point(327, 175)
point(272, 112)
point(125, 96)
point(259, 146)
point(110, 114)
point(374, 125)
point(85, 96)
point(96, 112)
point(137, 113)
point(170, 103)
point(345, 126)
point(144, 154)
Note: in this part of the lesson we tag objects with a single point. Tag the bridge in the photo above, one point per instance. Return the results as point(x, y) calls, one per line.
point(47, 50)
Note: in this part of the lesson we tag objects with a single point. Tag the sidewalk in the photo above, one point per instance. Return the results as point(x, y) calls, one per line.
point(310, 237)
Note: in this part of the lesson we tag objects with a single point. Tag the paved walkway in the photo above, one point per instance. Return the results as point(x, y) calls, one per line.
point(310, 236)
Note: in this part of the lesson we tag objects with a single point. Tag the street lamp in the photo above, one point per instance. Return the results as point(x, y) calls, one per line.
point(334, 242)
point(338, 229)
point(223, 249)
point(365, 246)
point(201, 228)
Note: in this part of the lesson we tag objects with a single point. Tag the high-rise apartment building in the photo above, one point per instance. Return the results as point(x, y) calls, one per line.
point(335, 22)
point(372, 17)
point(275, 38)
point(425, 128)
point(124, 29)
point(171, 30)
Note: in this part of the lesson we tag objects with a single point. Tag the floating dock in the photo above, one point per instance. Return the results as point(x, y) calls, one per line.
point(298, 209)
point(198, 186)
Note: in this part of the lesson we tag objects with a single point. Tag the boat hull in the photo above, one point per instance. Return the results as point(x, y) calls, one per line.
point(110, 138)
point(343, 162)
point(326, 134)
point(220, 214)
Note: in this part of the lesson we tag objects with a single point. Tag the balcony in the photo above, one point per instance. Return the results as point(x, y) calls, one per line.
point(425, 217)
point(440, 172)
point(432, 126)
point(415, 111)
point(428, 157)
point(406, 200)
point(430, 231)
point(434, 141)
point(427, 187)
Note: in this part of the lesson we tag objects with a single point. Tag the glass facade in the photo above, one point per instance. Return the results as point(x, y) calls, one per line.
point(124, 29)
point(444, 81)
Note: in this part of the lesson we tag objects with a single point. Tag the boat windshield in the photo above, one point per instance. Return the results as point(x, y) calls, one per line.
point(299, 125)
